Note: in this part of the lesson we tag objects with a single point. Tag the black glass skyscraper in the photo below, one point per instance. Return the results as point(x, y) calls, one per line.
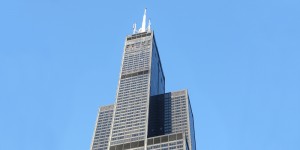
point(144, 116)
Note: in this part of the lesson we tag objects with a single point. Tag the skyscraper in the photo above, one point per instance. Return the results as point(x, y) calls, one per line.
point(144, 116)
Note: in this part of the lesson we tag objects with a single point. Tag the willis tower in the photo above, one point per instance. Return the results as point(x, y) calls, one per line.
point(143, 116)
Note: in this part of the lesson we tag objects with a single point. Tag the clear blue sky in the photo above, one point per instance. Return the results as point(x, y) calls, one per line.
point(240, 60)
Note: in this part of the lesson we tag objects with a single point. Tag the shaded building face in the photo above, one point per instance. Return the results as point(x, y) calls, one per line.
point(156, 123)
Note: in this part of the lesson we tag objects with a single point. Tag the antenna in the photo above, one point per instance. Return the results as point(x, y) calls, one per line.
point(134, 28)
point(149, 26)
point(143, 28)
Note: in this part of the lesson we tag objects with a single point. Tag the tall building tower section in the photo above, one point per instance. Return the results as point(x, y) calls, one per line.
point(141, 76)
point(171, 113)
point(179, 116)
point(143, 116)
point(102, 129)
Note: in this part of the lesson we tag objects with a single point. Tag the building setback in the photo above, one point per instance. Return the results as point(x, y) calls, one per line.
point(102, 129)
point(172, 113)
point(144, 116)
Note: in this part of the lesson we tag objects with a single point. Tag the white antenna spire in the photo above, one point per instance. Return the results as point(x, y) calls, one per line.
point(149, 26)
point(143, 28)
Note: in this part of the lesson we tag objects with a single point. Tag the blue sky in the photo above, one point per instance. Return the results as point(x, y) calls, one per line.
point(240, 60)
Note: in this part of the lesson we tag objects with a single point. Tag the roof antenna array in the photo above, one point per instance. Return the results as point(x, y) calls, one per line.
point(143, 28)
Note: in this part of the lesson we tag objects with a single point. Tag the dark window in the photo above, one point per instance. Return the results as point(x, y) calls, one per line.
point(164, 139)
point(156, 140)
point(119, 147)
point(172, 137)
point(112, 148)
point(179, 136)
point(150, 141)
point(134, 144)
point(141, 143)
point(127, 146)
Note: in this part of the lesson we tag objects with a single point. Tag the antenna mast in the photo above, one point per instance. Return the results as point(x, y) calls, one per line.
point(143, 28)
